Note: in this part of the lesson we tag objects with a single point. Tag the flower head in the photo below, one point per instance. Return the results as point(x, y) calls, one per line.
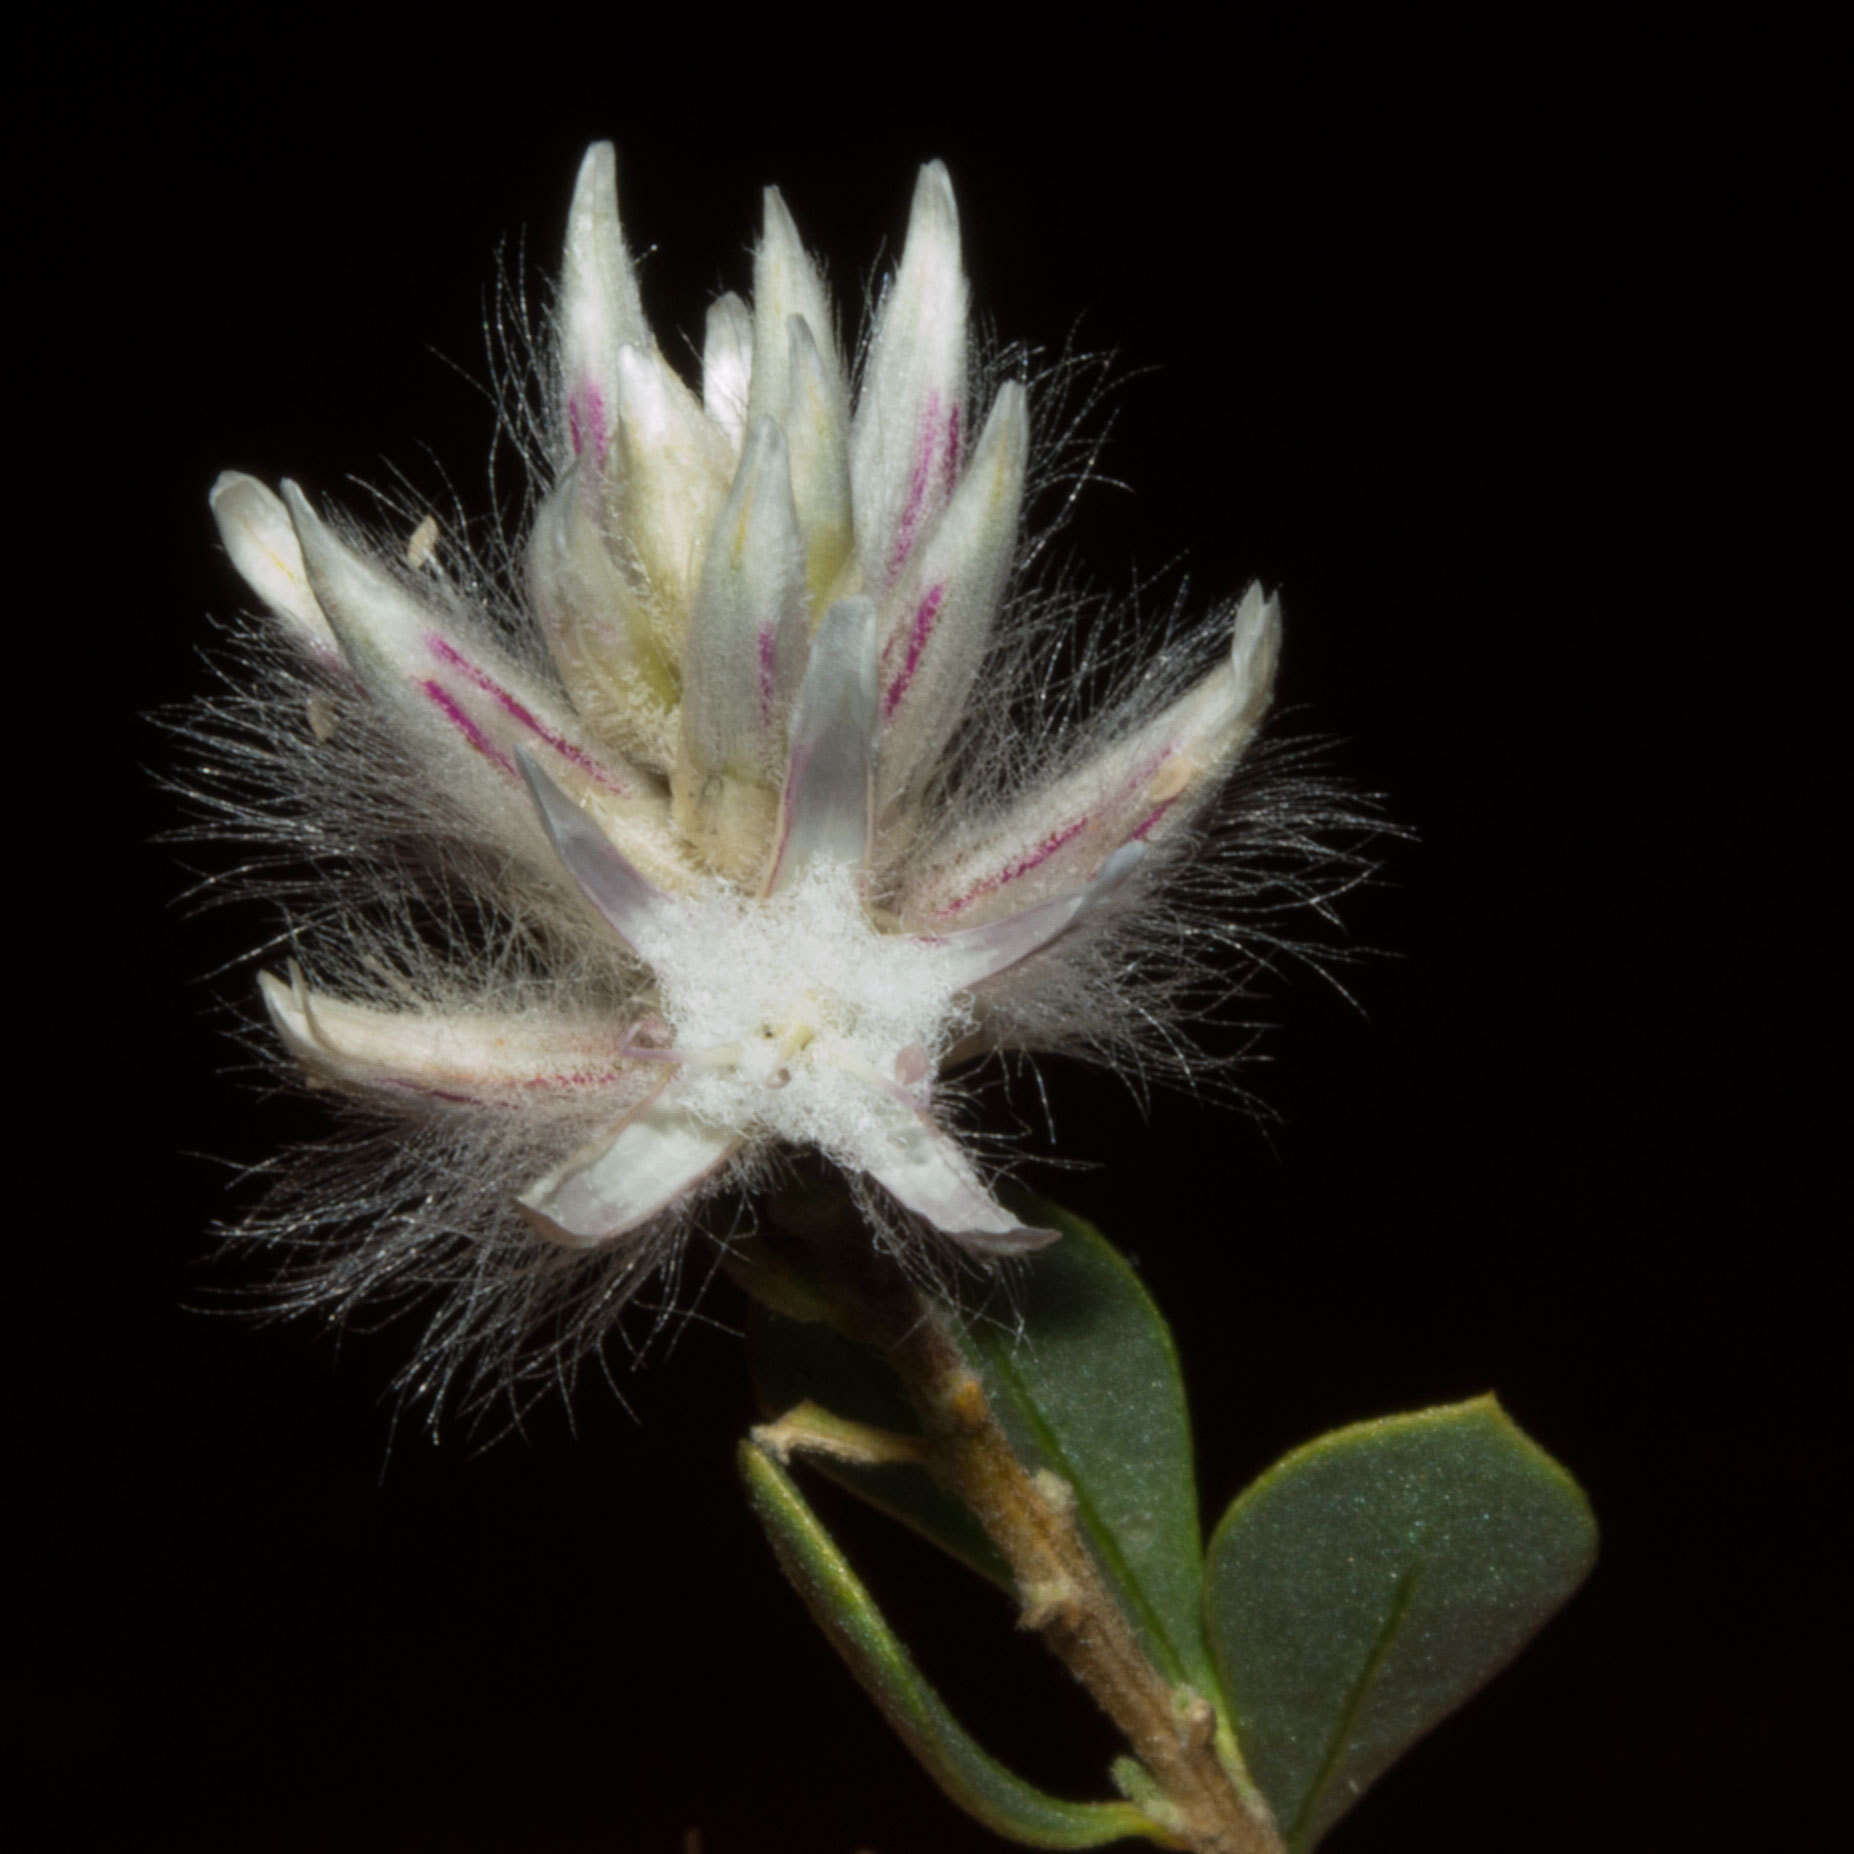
point(710, 829)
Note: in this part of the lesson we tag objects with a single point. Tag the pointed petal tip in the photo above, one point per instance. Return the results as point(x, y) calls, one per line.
point(1255, 636)
point(284, 1000)
point(727, 364)
point(1019, 1239)
point(331, 565)
point(776, 219)
point(1005, 435)
point(555, 1235)
point(1004, 442)
point(592, 217)
point(786, 283)
point(301, 511)
point(259, 538)
point(229, 483)
point(293, 1016)
point(1257, 606)
point(322, 551)
point(597, 307)
point(933, 222)
point(933, 198)
point(803, 349)
point(908, 434)
point(919, 1164)
point(651, 399)
point(598, 173)
point(244, 505)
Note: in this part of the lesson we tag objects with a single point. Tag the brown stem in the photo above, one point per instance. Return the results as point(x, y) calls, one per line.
point(1066, 1598)
point(1029, 1517)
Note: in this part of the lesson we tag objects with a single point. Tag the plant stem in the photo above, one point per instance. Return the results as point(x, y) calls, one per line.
point(1067, 1600)
point(1173, 1732)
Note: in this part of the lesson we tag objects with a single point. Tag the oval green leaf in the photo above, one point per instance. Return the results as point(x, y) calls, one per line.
point(842, 1607)
point(1370, 1582)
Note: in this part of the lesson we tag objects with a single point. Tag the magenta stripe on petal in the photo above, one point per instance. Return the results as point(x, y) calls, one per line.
point(444, 700)
point(493, 1093)
point(447, 652)
point(924, 452)
point(1011, 872)
point(1152, 820)
point(1031, 859)
point(769, 643)
point(918, 634)
point(1144, 777)
point(586, 421)
point(795, 770)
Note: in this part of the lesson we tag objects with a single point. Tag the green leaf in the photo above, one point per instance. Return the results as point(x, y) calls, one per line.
point(1370, 1582)
point(1091, 1390)
point(842, 1607)
point(1085, 1385)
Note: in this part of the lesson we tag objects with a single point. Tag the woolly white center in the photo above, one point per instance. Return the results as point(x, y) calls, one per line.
point(795, 1016)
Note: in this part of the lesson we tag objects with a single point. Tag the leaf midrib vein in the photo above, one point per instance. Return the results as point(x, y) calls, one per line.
point(1401, 1598)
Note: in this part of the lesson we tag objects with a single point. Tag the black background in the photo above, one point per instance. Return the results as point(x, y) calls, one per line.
point(1447, 338)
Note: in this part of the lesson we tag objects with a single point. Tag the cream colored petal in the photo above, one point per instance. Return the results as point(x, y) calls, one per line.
point(657, 1155)
point(748, 641)
point(944, 605)
point(677, 465)
point(415, 656)
point(727, 366)
point(600, 312)
point(906, 438)
point(256, 530)
point(468, 709)
point(974, 955)
point(925, 1171)
point(824, 809)
point(640, 913)
point(1136, 789)
point(747, 644)
point(597, 630)
point(817, 435)
point(478, 1058)
point(786, 284)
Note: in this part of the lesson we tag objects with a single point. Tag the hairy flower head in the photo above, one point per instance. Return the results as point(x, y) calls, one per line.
point(712, 826)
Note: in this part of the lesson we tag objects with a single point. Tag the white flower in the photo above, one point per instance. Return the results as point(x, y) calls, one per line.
point(717, 832)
